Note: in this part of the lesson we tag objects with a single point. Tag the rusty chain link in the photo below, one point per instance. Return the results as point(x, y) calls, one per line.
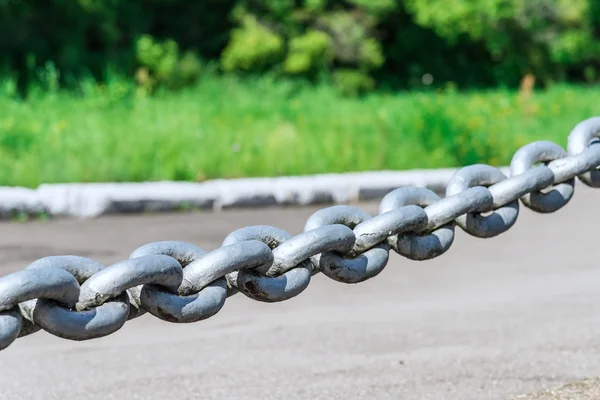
point(79, 299)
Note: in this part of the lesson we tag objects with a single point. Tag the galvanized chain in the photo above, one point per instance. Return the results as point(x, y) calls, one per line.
point(79, 299)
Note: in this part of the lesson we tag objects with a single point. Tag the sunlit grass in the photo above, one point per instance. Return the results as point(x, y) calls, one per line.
point(225, 127)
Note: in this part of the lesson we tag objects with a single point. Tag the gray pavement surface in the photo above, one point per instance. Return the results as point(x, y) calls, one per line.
point(491, 319)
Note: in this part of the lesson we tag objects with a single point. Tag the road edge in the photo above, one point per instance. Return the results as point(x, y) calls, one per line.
point(89, 200)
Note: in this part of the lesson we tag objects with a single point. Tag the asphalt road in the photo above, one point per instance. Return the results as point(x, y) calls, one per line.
point(489, 320)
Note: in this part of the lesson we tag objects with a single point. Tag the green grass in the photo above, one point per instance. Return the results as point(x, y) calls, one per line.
point(226, 127)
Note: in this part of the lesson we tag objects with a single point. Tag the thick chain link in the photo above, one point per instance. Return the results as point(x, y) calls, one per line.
point(79, 299)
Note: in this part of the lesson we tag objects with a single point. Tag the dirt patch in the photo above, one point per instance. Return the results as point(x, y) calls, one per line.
point(588, 389)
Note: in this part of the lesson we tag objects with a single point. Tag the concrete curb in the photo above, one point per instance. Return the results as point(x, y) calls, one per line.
point(96, 199)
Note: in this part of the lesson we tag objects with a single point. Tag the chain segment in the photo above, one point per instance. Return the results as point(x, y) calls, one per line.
point(419, 245)
point(77, 298)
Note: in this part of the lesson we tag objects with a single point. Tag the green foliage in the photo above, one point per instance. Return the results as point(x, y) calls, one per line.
point(252, 46)
point(377, 7)
point(395, 43)
point(352, 82)
point(574, 46)
point(371, 53)
point(544, 37)
point(84, 38)
point(315, 6)
point(351, 34)
point(451, 18)
point(163, 65)
point(308, 52)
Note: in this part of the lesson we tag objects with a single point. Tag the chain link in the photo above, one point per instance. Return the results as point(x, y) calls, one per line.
point(419, 245)
point(503, 215)
point(79, 299)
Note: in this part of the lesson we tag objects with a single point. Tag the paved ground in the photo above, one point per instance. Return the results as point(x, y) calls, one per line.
point(491, 319)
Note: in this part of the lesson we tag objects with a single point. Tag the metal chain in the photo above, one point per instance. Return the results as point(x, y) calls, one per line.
point(79, 299)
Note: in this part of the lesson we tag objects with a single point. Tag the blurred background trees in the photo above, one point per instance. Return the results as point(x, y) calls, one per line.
point(358, 45)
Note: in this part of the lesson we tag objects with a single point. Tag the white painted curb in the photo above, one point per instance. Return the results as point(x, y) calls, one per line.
point(95, 199)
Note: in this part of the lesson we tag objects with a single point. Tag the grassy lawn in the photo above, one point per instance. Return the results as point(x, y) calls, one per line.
point(226, 127)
